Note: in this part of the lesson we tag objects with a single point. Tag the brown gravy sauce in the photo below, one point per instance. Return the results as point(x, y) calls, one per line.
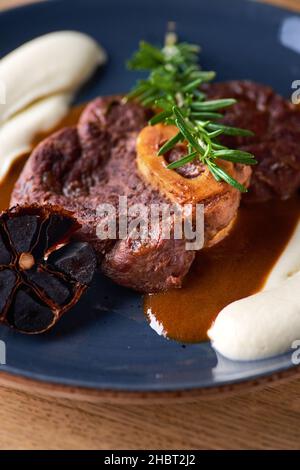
point(235, 268)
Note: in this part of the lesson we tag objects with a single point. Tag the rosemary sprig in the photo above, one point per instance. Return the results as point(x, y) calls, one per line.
point(172, 87)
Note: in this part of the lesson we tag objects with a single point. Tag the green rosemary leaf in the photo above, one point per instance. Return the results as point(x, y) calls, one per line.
point(199, 95)
point(170, 144)
point(153, 51)
point(183, 161)
point(227, 130)
point(206, 76)
point(189, 70)
point(159, 117)
point(213, 172)
point(217, 146)
point(172, 88)
point(163, 103)
point(215, 134)
point(243, 161)
point(192, 85)
point(147, 57)
point(213, 105)
point(227, 178)
point(149, 101)
point(181, 124)
point(206, 115)
point(232, 153)
point(136, 92)
point(236, 156)
point(190, 48)
point(145, 94)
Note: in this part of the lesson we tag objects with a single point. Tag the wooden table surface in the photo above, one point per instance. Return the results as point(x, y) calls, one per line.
point(267, 418)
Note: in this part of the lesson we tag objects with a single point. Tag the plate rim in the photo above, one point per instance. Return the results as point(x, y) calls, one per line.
point(55, 390)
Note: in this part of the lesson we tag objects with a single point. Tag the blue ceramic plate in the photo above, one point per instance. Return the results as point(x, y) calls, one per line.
point(106, 343)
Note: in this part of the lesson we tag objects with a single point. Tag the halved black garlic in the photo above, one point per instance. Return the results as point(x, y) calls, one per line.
point(43, 271)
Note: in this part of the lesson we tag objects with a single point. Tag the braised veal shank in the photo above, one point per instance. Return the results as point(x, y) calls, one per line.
point(79, 168)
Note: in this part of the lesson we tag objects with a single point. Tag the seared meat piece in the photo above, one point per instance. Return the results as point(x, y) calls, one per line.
point(276, 144)
point(148, 266)
point(80, 168)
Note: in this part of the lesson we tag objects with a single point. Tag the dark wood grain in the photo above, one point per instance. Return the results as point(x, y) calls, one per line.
point(268, 419)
